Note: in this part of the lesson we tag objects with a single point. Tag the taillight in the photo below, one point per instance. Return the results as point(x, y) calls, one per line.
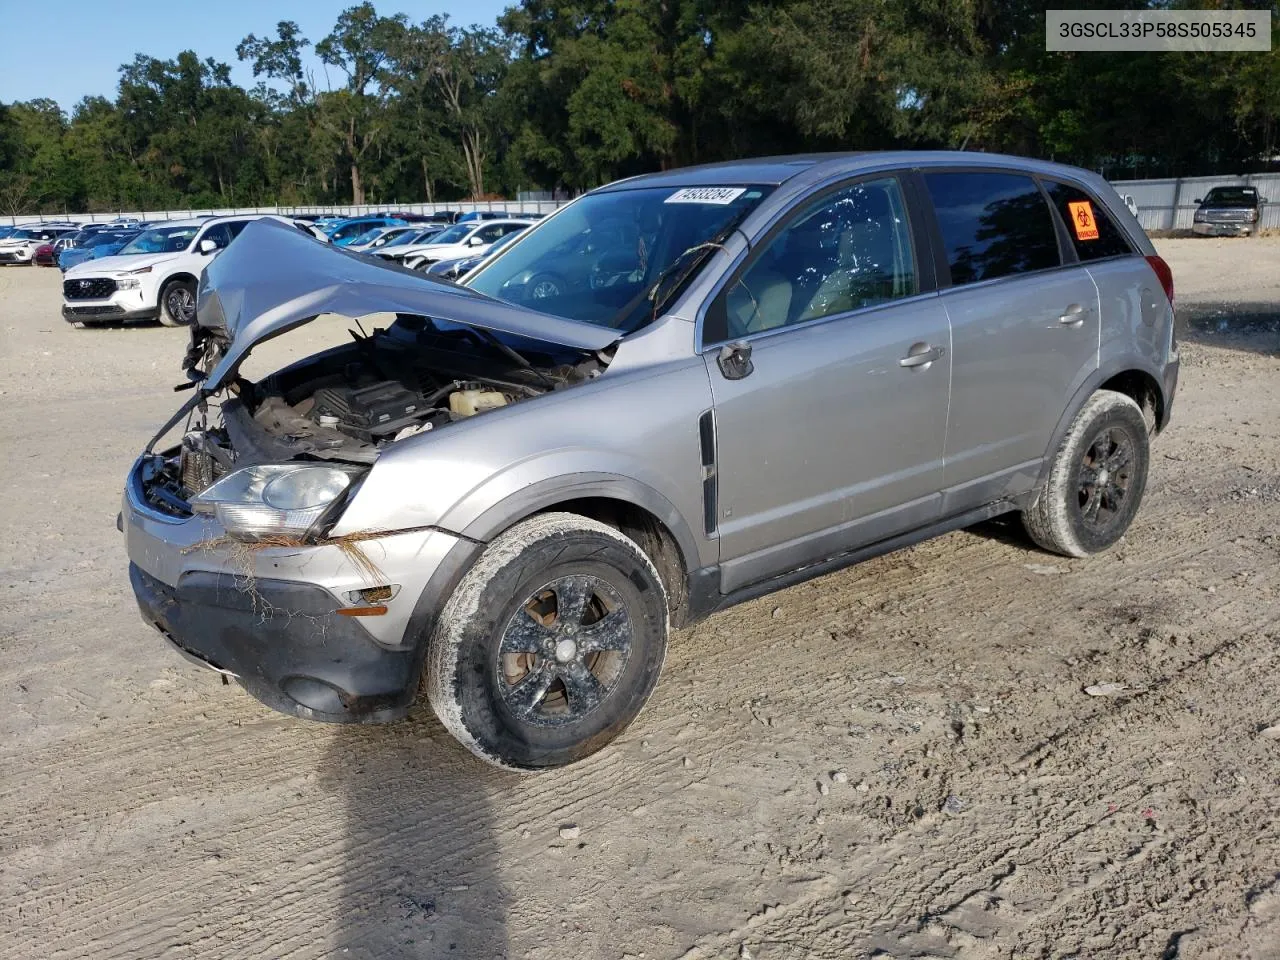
point(1164, 274)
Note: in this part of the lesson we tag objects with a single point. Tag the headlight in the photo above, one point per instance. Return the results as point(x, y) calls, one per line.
point(1200, 216)
point(281, 500)
point(127, 284)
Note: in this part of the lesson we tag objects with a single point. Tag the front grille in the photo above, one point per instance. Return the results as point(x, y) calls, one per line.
point(8, 256)
point(93, 288)
point(110, 310)
point(1228, 216)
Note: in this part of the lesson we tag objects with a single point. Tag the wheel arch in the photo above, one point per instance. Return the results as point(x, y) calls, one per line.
point(178, 275)
point(629, 505)
point(1137, 381)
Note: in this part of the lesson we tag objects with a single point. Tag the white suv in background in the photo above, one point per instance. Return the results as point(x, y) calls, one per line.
point(154, 277)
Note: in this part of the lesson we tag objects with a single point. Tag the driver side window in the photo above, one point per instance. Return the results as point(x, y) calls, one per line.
point(845, 251)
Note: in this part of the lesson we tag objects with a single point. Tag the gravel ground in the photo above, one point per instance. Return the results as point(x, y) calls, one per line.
point(898, 760)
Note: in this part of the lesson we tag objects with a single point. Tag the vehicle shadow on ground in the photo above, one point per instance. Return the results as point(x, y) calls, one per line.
point(422, 874)
point(1248, 327)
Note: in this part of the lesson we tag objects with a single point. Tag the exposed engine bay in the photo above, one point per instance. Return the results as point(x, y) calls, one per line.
point(347, 403)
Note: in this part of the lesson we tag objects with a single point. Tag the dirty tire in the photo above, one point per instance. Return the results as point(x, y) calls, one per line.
point(1059, 517)
point(170, 313)
point(473, 676)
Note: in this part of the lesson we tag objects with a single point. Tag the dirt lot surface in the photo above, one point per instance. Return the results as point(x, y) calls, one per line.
point(898, 760)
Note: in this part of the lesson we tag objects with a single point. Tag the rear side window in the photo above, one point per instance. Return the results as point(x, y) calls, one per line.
point(1093, 233)
point(993, 224)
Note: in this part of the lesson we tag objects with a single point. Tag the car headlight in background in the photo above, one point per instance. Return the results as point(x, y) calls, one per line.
point(1200, 217)
point(275, 500)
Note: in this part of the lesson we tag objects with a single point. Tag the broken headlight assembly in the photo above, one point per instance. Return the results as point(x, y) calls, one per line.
point(276, 500)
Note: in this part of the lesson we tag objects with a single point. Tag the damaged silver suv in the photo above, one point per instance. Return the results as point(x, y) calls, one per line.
point(679, 392)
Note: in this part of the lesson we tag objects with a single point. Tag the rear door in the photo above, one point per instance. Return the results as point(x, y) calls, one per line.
point(1024, 319)
point(832, 434)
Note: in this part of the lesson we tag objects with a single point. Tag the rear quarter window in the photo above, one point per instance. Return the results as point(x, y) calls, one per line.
point(993, 224)
point(1105, 239)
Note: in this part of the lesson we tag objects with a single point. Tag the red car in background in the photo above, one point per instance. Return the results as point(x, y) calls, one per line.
point(45, 256)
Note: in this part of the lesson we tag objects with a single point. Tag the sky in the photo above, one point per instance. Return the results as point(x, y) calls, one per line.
point(74, 48)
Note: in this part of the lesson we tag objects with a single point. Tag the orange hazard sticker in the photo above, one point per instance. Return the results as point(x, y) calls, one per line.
point(1082, 220)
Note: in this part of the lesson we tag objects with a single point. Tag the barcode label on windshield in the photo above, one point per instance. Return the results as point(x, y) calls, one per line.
point(717, 195)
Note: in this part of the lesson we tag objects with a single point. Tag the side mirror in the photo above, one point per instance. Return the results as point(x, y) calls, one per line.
point(1198, 200)
point(475, 242)
point(208, 246)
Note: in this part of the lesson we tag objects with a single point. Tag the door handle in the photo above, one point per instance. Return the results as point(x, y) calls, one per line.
point(1073, 316)
point(921, 355)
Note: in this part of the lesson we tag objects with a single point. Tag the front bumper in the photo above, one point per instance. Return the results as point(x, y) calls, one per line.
point(97, 311)
point(267, 617)
point(1222, 229)
point(15, 256)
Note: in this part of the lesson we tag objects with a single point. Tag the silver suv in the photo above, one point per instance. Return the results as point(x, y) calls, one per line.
point(679, 392)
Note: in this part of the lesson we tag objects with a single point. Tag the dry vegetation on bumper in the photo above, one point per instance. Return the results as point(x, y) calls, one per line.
point(898, 758)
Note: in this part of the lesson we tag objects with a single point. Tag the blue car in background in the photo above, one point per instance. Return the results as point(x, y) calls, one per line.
point(345, 232)
point(92, 247)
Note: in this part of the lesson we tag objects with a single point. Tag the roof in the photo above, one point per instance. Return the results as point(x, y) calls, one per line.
point(777, 170)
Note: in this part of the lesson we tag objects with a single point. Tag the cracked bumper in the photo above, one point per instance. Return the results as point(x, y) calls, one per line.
point(268, 617)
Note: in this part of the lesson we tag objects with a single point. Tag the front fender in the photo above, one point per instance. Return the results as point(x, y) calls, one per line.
point(536, 485)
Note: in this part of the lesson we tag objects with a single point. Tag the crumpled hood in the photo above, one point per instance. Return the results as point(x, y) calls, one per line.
point(275, 278)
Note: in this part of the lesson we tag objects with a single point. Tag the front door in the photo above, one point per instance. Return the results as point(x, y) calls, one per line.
point(835, 436)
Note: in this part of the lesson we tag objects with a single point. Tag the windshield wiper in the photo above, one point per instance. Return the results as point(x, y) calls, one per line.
point(651, 292)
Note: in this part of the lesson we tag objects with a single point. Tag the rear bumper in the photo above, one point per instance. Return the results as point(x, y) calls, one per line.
point(102, 311)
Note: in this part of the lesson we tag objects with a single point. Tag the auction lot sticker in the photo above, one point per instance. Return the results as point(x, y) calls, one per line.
point(1086, 226)
point(721, 196)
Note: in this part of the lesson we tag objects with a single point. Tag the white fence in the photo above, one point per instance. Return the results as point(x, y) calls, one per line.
point(1162, 204)
point(1170, 204)
point(513, 207)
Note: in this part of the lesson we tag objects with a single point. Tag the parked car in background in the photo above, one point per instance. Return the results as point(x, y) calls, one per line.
point(801, 363)
point(473, 215)
point(6, 230)
point(154, 276)
point(96, 246)
point(311, 230)
point(45, 256)
point(414, 238)
point(1228, 212)
point(21, 244)
point(460, 266)
point(459, 240)
point(376, 237)
point(345, 232)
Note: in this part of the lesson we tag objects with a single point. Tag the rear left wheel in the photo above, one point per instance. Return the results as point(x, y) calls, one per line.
point(1095, 484)
point(550, 645)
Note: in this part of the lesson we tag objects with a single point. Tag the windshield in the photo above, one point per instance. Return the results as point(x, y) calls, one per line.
point(21, 234)
point(413, 236)
point(455, 234)
point(160, 240)
point(352, 230)
point(101, 239)
point(366, 237)
point(1232, 197)
point(597, 260)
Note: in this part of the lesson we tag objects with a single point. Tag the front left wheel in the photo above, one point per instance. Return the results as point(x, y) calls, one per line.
point(178, 303)
point(550, 645)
